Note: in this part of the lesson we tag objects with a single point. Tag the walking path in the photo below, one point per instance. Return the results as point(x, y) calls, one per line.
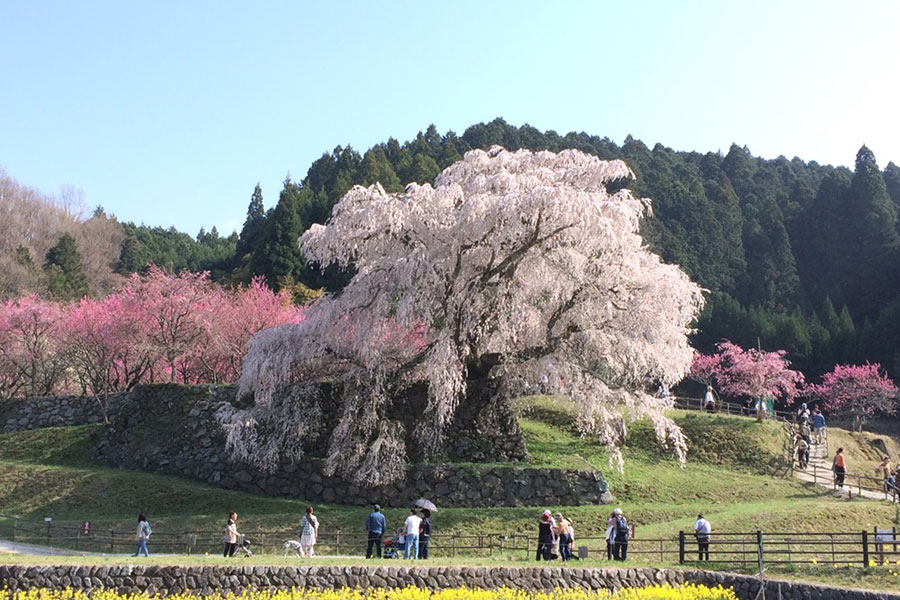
point(819, 472)
point(19, 548)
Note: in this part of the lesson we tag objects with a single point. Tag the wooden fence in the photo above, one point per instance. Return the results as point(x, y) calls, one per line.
point(725, 548)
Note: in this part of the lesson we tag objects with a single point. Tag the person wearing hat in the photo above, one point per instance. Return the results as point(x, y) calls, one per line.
point(545, 537)
point(702, 529)
point(622, 533)
point(563, 536)
point(375, 526)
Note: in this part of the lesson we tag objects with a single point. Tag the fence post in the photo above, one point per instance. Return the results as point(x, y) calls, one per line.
point(680, 547)
point(859, 486)
point(112, 541)
point(865, 548)
point(15, 526)
point(759, 550)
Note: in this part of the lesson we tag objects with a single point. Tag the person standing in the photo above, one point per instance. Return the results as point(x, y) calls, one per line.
point(375, 526)
point(884, 469)
point(702, 531)
point(622, 533)
point(411, 526)
point(309, 533)
point(562, 534)
point(709, 400)
point(231, 535)
point(424, 533)
point(143, 535)
point(610, 535)
point(839, 466)
point(545, 537)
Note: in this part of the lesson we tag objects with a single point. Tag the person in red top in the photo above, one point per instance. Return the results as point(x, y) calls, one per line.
point(839, 466)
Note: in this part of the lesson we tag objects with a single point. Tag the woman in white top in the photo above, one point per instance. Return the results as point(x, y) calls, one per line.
point(309, 532)
point(143, 534)
point(231, 535)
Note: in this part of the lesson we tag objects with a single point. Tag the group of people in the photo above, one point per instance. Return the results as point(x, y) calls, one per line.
point(556, 537)
point(309, 534)
point(414, 536)
point(809, 430)
point(891, 478)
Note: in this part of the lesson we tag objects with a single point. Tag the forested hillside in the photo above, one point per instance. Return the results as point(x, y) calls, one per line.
point(795, 255)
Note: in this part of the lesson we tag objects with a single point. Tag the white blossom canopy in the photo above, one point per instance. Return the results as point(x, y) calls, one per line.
point(517, 265)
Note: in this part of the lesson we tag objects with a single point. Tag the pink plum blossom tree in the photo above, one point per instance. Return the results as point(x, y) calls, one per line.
point(856, 392)
point(755, 373)
point(31, 355)
point(513, 266)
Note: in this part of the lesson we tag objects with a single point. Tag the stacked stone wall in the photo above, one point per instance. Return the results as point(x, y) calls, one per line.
point(224, 579)
point(56, 411)
point(173, 430)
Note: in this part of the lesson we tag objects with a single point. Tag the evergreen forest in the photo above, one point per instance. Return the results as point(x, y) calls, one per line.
point(795, 255)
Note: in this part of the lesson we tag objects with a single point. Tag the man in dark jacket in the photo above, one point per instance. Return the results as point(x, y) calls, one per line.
point(375, 526)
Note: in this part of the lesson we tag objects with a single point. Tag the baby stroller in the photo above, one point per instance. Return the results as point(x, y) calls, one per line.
point(394, 547)
point(244, 548)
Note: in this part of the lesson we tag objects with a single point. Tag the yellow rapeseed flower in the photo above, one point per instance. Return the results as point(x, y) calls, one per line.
point(656, 592)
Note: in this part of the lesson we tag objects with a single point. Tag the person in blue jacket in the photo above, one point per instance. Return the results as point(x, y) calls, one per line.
point(375, 526)
point(818, 423)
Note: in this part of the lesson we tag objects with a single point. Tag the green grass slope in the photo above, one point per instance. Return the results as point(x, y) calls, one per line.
point(49, 473)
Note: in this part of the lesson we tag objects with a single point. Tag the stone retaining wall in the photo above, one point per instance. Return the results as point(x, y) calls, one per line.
point(55, 411)
point(176, 433)
point(224, 579)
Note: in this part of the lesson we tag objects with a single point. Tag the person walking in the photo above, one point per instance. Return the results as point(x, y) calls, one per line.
point(839, 466)
point(424, 533)
point(818, 423)
point(702, 531)
point(375, 527)
point(802, 447)
point(709, 400)
point(620, 547)
point(411, 526)
point(545, 537)
point(309, 533)
point(231, 535)
point(143, 535)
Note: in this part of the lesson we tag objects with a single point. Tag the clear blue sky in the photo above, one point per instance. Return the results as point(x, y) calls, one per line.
point(168, 113)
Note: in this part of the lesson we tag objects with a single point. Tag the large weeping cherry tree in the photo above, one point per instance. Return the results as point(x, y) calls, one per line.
point(515, 266)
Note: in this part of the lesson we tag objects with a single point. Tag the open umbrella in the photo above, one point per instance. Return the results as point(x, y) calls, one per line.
point(426, 504)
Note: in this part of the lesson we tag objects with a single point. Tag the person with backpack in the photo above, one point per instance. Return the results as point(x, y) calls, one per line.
point(802, 447)
point(702, 530)
point(622, 534)
point(839, 466)
point(143, 535)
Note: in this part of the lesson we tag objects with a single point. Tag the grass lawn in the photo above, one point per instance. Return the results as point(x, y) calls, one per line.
point(49, 473)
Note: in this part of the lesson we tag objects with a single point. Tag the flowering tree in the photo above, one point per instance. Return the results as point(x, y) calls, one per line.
point(515, 265)
point(856, 392)
point(754, 373)
point(177, 311)
point(105, 346)
point(31, 360)
point(235, 318)
point(705, 368)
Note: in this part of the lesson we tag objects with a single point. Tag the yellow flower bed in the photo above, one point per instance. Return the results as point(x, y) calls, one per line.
point(656, 592)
